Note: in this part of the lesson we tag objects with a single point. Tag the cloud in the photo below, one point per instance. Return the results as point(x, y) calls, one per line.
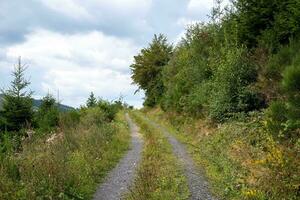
point(82, 46)
point(195, 6)
point(70, 8)
point(77, 64)
point(93, 9)
point(121, 18)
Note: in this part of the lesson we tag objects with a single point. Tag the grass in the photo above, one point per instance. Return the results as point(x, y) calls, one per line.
point(240, 159)
point(159, 176)
point(69, 167)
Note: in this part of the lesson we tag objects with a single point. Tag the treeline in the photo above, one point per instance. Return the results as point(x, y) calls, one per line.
point(246, 58)
point(46, 153)
point(18, 116)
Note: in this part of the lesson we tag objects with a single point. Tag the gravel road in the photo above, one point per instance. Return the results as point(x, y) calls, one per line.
point(198, 186)
point(122, 176)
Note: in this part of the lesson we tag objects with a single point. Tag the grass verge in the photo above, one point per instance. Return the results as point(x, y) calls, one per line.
point(159, 176)
point(70, 166)
point(240, 159)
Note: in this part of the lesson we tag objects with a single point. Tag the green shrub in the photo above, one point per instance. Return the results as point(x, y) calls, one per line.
point(231, 82)
point(284, 117)
point(92, 116)
point(276, 117)
point(47, 117)
point(69, 119)
point(291, 87)
point(109, 109)
point(187, 70)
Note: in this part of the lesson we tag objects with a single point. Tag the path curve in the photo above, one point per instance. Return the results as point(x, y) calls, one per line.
point(122, 176)
point(198, 186)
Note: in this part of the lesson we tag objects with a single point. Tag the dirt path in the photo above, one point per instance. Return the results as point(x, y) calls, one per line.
point(198, 186)
point(122, 176)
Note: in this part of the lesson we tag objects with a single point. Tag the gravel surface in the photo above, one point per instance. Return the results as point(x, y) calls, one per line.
point(198, 186)
point(122, 176)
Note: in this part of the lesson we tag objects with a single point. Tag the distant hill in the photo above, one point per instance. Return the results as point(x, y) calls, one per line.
point(37, 104)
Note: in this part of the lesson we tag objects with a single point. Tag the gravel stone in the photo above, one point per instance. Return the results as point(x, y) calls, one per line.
point(122, 176)
point(198, 186)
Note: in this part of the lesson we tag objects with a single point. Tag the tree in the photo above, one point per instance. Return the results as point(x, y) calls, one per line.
point(291, 87)
point(147, 68)
point(283, 117)
point(92, 101)
point(48, 114)
point(17, 102)
point(187, 70)
point(270, 22)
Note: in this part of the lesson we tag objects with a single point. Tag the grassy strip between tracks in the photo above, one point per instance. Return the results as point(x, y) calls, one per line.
point(159, 176)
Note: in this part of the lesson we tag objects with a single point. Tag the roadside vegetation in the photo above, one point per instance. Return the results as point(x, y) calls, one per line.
point(231, 87)
point(50, 154)
point(159, 176)
point(240, 158)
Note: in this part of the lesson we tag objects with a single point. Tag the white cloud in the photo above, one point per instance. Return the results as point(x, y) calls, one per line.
point(195, 6)
point(69, 8)
point(80, 63)
point(92, 9)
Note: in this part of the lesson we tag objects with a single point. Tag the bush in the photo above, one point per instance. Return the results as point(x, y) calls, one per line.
point(93, 116)
point(231, 82)
point(284, 117)
point(276, 117)
point(109, 109)
point(47, 117)
point(187, 70)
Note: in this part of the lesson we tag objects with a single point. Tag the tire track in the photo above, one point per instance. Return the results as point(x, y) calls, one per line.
point(198, 186)
point(122, 176)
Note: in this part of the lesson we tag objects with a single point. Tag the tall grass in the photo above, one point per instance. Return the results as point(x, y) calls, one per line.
point(159, 176)
point(69, 164)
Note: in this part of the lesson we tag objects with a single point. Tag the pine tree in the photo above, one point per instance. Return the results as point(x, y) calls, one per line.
point(17, 102)
point(48, 114)
point(291, 86)
point(92, 101)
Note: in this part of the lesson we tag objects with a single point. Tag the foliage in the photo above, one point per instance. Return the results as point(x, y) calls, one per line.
point(47, 116)
point(92, 101)
point(17, 103)
point(147, 69)
point(240, 158)
point(244, 60)
point(284, 117)
point(230, 91)
point(187, 69)
point(268, 22)
point(109, 109)
point(232, 64)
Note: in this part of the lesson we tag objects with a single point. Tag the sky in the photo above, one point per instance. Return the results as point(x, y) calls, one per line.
point(76, 46)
